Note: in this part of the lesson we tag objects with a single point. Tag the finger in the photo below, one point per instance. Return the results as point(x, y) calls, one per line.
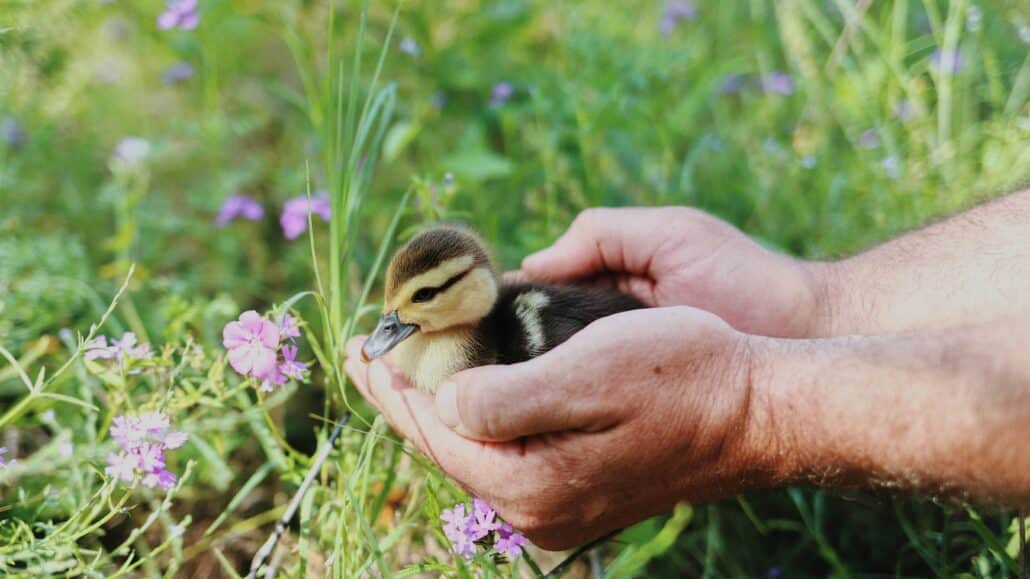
point(412, 415)
point(514, 277)
point(547, 394)
point(356, 369)
point(601, 240)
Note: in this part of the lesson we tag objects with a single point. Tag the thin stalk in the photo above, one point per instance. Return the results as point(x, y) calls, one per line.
point(266, 550)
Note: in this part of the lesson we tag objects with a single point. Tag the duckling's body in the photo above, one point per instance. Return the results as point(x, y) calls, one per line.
point(447, 311)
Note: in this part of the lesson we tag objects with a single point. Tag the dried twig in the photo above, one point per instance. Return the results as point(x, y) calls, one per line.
point(263, 553)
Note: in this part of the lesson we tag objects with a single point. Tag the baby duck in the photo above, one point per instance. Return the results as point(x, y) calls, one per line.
point(446, 310)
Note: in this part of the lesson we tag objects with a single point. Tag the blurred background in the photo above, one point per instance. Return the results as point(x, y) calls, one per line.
point(172, 136)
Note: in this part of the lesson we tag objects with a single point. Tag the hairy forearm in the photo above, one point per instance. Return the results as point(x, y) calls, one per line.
point(941, 411)
point(972, 267)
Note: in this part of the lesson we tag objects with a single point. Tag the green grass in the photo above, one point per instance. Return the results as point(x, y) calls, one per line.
point(302, 96)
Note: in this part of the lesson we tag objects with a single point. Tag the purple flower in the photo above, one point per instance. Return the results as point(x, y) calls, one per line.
point(947, 61)
point(153, 424)
point(294, 220)
point(808, 162)
point(455, 521)
point(144, 439)
point(481, 526)
point(501, 93)
point(252, 342)
point(409, 46)
point(127, 432)
point(239, 206)
point(272, 380)
point(160, 477)
point(131, 151)
point(97, 349)
point(675, 12)
point(121, 465)
point(173, 439)
point(149, 457)
point(12, 132)
point(178, 72)
point(288, 327)
point(869, 139)
point(290, 367)
point(777, 82)
point(181, 14)
point(509, 543)
point(129, 350)
point(3, 451)
point(484, 519)
point(124, 350)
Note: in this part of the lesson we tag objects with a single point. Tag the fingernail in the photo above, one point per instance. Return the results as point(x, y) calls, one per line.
point(447, 404)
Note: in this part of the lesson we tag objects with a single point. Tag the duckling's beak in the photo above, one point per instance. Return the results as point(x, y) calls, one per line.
point(390, 332)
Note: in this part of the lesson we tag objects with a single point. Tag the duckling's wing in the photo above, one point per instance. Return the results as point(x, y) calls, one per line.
point(530, 319)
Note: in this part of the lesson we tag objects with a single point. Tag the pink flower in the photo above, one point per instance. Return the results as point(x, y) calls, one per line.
point(180, 14)
point(174, 439)
point(144, 440)
point(121, 466)
point(97, 349)
point(273, 379)
point(152, 422)
point(149, 457)
point(239, 206)
point(161, 477)
point(126, 431)
point(252, 343)
point(123, 350)
point(294, 220)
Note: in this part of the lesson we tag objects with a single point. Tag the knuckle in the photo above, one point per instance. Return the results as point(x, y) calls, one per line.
point(477, 410)
point(589, 218)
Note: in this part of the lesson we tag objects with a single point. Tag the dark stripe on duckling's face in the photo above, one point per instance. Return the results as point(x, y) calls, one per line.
point(391, 331)
point(427, 294)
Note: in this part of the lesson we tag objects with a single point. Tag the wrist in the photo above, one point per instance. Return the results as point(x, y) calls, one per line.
point(826, 283)
point(771, 444)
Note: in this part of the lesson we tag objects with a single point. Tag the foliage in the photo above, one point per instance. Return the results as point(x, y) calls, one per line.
point(819, 128)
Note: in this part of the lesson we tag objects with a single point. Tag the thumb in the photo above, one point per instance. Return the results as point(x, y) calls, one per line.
point(501, 403)
point(601, 240)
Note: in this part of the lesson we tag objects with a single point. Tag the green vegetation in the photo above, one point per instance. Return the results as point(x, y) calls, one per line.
point(818, 127)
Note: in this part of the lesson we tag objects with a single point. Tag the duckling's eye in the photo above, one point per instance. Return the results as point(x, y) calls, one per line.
point(424, 295)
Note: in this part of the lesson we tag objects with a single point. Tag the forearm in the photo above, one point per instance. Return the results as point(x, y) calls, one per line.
point(972, 267)
point(945, 411)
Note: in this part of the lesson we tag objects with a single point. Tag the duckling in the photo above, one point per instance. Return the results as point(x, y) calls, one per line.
point(446, 310)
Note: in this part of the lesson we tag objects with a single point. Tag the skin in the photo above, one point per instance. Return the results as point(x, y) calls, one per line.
point(904, 367)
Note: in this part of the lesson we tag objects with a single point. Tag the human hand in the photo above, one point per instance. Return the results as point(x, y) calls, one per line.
point(680, 256)
point(631, 415)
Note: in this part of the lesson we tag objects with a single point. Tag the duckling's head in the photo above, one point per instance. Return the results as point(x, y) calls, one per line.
point(440, 280)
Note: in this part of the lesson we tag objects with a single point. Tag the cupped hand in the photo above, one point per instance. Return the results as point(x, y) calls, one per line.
point(630, 416)
point(669, 256)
